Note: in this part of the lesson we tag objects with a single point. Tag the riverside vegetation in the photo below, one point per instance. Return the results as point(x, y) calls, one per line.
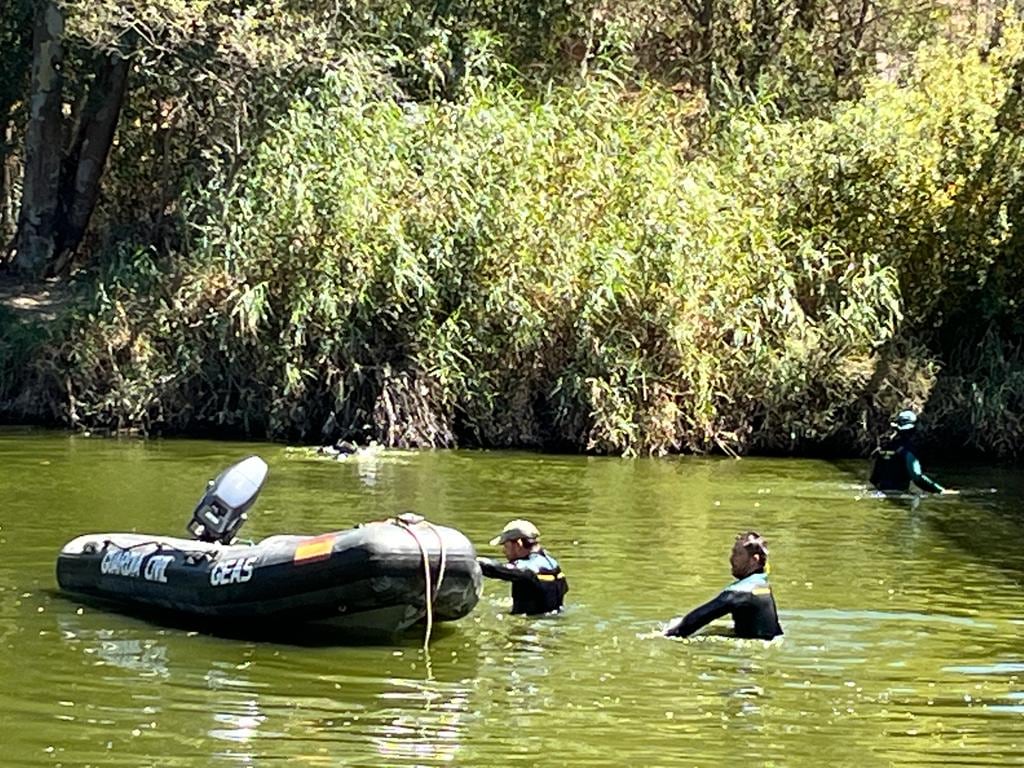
point(606, 226)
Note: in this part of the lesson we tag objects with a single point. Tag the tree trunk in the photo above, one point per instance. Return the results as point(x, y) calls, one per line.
point(87, 155)
point(806, 16)
point(765, 22)
point(851, 35)
point(35, 242)
point(6, 191)
point(705, 22)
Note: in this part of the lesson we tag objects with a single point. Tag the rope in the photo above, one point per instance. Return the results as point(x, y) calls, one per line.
point(191, 556)
point(442, 563)
point(407, 522)
point(148, 542)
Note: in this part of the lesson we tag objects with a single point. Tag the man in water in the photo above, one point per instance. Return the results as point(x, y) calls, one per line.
point(749, 598)
point(896, 466)
point(538, 584)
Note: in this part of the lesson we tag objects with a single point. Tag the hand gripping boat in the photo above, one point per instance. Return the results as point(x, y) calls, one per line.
point(380, 577)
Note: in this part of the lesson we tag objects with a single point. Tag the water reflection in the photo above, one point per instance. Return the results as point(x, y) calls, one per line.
point(421, 721)
point(145, 656)
point(414, 719)
point(240, 728)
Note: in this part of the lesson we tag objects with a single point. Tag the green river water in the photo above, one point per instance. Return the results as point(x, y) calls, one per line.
point(903, 622)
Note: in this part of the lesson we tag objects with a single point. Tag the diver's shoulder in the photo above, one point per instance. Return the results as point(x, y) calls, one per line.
point(540, 559)
point(755, 583)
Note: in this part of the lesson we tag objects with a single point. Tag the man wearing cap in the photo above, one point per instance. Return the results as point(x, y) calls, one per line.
point(749, 599)
point(896, 466)
point(538, 584)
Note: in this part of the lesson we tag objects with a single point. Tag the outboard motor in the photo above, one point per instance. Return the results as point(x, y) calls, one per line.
point(221, 511)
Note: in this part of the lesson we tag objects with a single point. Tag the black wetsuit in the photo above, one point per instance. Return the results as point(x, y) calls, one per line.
point(751, 604)
point(896, 467)
point(538, 584)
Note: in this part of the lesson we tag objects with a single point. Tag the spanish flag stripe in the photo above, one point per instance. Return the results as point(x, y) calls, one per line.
point(316, 548)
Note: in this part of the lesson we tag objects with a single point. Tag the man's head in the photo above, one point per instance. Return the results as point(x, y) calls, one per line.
point(904, 421)
point(749, 554)
point(518, 539)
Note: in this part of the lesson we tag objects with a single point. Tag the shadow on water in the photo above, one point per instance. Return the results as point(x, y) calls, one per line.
point(978, 522)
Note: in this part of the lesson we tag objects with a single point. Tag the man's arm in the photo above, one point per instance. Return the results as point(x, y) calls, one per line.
point(494, 569)
point(920, 478)
point(699, 617)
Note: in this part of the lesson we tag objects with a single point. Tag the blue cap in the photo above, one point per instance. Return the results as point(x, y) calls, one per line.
point(905, 420)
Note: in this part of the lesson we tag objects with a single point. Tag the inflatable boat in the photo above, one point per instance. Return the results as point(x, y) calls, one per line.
point(380, 577)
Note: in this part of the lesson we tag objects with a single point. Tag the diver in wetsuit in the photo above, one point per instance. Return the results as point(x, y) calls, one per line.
point(538, 584)
point(749, 598)
point(896, 466)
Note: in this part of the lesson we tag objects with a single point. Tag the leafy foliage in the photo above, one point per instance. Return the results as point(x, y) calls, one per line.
point(513, 269)
point(464, 223)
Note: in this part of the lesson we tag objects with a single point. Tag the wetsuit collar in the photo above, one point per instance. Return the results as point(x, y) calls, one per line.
point(758, 577)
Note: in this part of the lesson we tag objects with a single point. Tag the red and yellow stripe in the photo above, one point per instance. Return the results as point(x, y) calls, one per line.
point(314, 549)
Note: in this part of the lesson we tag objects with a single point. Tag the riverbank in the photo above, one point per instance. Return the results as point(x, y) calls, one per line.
point(571, 270)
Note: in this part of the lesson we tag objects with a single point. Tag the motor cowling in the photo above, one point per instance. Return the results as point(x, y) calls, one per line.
point(222, 510)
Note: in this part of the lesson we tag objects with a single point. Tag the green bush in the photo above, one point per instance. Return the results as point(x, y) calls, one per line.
point(523, 269)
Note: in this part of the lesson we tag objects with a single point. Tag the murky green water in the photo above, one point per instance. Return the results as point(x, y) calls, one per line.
point(903, 625)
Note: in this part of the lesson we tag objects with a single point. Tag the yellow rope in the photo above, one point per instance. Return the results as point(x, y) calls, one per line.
point(430, 593)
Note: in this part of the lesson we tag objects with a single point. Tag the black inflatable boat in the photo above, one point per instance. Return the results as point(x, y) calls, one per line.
point(378, 577)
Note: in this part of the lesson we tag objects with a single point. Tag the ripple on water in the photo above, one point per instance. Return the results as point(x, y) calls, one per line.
point(902, 646)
